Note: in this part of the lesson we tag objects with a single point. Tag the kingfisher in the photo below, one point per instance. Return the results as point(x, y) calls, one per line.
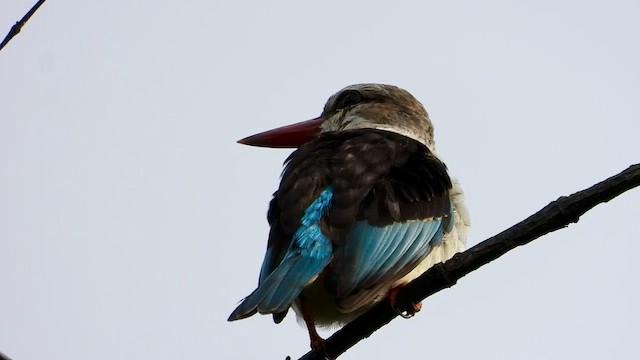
point(365, 205)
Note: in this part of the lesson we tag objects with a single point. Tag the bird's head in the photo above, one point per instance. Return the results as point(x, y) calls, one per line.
point(360, 106)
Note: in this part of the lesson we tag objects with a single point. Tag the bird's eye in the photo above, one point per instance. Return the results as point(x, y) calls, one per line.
point(349, 98)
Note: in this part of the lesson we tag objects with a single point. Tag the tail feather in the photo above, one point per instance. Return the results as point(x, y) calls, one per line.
point(279, 290)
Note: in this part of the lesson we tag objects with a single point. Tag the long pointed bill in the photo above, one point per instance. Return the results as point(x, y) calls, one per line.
point(290, 136)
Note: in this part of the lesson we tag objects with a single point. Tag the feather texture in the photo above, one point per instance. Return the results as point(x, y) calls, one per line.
point(362, 207)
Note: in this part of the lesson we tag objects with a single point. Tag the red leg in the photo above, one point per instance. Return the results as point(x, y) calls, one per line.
point(392, 296)
point(317, 343)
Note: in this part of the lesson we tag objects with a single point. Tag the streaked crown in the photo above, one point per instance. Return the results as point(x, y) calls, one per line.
point(378, 106)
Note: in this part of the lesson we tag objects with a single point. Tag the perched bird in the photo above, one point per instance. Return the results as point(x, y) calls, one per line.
point(364, 206)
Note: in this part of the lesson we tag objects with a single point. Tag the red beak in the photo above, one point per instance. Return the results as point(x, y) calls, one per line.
point(290, 136)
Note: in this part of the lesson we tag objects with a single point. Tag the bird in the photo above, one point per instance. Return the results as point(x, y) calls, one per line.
point(364, 206)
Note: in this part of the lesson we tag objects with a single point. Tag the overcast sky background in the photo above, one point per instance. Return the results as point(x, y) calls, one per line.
point(131, 223)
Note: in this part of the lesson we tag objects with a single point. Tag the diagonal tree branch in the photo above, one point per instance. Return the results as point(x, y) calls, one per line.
point(15, 29)
point(557, 215)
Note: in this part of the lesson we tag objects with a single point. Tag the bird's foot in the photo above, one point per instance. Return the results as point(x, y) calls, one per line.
point(392, 296)
point(318, 345)
point(317, 342)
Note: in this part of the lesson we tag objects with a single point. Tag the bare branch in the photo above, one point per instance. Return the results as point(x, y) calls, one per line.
point(557, 215)
point(15, 29)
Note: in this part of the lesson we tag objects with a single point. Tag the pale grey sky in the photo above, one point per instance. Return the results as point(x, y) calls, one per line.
point(131, 223)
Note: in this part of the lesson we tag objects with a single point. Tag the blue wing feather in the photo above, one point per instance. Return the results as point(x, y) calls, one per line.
point(266, 267)
point(407, 245)
point(419, 248)
point(309, 252)
point(401, 245)
point(377, 254)
point(377, 244)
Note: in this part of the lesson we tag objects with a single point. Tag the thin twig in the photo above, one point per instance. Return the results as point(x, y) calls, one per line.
point(557, 215)
point(15, 29)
